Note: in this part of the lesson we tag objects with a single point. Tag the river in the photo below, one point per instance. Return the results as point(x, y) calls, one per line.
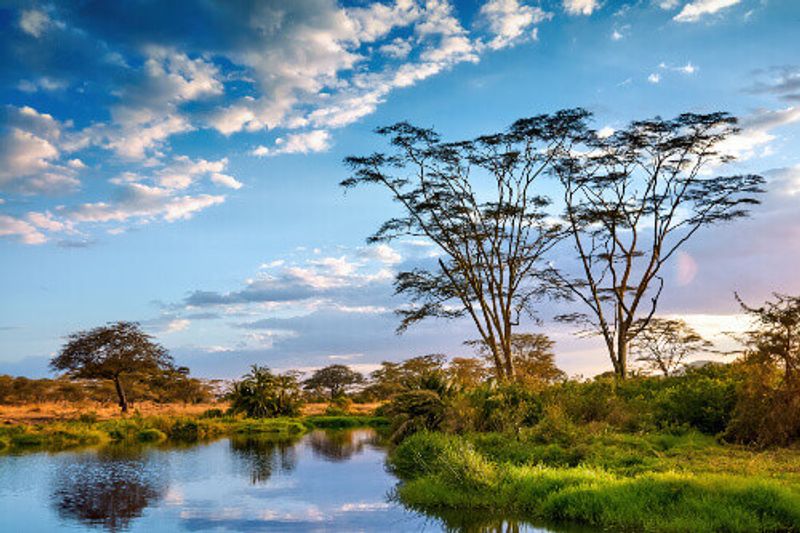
point(322, 481)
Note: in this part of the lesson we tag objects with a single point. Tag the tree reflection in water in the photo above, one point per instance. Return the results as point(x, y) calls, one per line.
point(262, 456)
point(340, 445)
point(108, 489)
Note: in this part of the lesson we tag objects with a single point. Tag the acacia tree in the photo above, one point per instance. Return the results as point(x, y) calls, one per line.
point(534, 359)
point(109, 352)
point(478, 201)
point(336, 379)
point(632, 200)
point(664, 344)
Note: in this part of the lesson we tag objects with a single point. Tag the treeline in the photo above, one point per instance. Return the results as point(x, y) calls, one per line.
point(166, 387)
point(753, 400)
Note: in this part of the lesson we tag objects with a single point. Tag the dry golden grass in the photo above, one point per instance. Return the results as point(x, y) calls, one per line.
point(44, 412)
point(311, 409)
point(52, 411)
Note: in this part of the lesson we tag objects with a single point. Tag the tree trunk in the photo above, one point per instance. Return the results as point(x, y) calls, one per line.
point(123, 401)
point(622, 354)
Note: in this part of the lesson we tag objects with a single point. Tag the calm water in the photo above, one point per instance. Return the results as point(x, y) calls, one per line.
point(324, 481)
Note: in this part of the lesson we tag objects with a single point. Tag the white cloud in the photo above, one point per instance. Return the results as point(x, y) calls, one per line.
point(178, 324)
point(150, 110)
point(23, 231)
point(297, 143)
point(381, 252)
point(511, 22)
point(398, 48)
point(757, 132)
point(581, 7)
point(30, 156)
point(44, 83)
point(225, 180)
point(46, 221)
point(145, 204)
point(606, 131)
point(183, 171)
point(655, 77)
point(616, 35)
point(34, 22)
point(694, 11)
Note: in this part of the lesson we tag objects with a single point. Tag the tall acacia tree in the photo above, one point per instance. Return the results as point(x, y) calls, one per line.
point(109, 352)
point(632, 200)
point(479, 202)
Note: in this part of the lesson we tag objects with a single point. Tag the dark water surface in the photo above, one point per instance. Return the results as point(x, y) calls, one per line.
point(324, 481)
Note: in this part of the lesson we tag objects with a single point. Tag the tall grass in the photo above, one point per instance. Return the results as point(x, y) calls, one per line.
point(447, 472)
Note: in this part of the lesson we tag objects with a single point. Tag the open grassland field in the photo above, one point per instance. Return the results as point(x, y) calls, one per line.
point(51, 411)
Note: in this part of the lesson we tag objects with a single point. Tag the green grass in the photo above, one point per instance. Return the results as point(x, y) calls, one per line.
point(494, 473)
point(345, 421)
point(59, 435)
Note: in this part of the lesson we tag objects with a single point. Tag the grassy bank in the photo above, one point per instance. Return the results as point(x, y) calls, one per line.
point(85, 431)
point(635, 483)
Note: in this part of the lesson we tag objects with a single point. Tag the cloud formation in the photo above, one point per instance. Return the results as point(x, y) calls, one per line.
point(696, 10)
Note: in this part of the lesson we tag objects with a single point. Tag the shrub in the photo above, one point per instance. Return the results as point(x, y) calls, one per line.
point(413, 411)
point(151, 435)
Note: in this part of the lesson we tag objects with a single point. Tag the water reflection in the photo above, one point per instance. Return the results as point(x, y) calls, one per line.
point(109, 489)
point(324, 481)
point(340, 445)
point(262, 456)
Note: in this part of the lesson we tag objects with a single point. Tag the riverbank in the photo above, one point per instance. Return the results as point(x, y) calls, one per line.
point(649, 482)
point(85, 430)
point(41, 412)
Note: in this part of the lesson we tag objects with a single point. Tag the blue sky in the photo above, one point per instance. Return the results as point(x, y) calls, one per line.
point(178, 163)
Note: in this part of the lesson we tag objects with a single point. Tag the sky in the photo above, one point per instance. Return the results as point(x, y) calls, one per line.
point(177, 163)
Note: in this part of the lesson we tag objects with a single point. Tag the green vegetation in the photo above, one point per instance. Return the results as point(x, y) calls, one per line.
point(345, 421)
point(61, 435)
point(620, 481)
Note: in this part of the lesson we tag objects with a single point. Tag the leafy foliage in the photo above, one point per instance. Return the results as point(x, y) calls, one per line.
point(335, 379)
point(262, 394)
point(108, 352)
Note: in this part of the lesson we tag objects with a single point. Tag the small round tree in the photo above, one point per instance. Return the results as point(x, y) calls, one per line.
point(108, 352)
point(336, 379)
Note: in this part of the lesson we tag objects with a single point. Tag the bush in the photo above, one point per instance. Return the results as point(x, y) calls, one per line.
point(151, 435)
point(212, 413)
point(413, 411)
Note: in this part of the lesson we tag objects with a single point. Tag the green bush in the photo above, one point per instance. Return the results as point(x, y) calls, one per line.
point(414, 411)
point(151, 435)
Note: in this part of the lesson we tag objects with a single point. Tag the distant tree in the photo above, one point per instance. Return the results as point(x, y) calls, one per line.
point(335, 379)
point(175, 385)
point(632, 200)
point(262, 394)
point(467, 372)
point(775, 339)
point(664, 344)
point(479, 202)
point(533, 357)
point(385, 381)
point(424, 372)
point(110, 352)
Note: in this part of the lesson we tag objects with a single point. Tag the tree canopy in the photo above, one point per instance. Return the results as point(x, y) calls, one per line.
point(335, 379)
point(631, 201)
point(479, 202)
point(108, 352)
